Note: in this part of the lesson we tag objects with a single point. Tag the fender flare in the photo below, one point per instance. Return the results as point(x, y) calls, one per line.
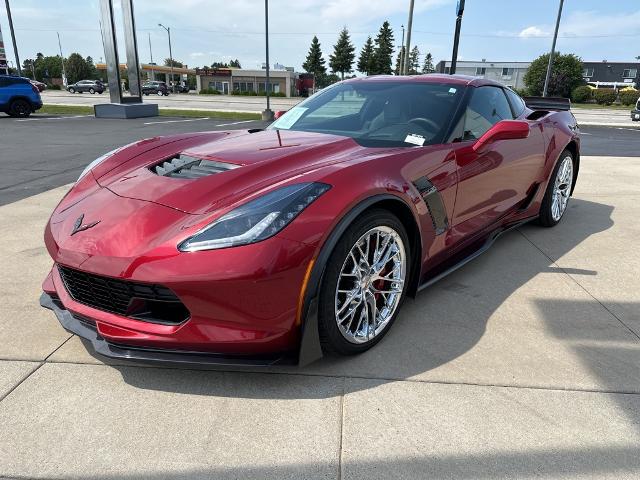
point(310, 349)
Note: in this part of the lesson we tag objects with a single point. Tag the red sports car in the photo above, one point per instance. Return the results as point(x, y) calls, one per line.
point(274, 245)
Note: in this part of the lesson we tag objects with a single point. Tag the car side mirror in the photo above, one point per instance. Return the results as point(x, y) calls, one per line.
point(503, 130)
point(278, 114)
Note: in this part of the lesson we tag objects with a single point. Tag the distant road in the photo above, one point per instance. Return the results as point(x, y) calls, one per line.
point(183, 101)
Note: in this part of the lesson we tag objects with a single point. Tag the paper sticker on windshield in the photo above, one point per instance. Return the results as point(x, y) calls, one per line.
point(286, 121)
point(452, 90)
point(415, 139)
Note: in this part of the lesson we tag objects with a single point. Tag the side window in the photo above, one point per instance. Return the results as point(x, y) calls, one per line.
point(516, 102)
point(487, 106)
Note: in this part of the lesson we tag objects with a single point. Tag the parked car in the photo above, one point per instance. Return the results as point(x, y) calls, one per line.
point(91, 86)
point(155, 88)
point(18, 96)
point(39, 85)
point(181, 88)
point(635, 113)
point(264, 246)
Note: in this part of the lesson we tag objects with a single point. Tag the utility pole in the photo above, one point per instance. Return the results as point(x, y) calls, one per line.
point(408, 47)
point(267, 115)
point(456, 36)
point(64, 73)
point(153, 76)
point(170, 53)
point(401, 66)
point(553, 51)
point(13, 37)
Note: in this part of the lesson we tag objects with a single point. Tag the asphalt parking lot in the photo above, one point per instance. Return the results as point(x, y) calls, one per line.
point(523, 364)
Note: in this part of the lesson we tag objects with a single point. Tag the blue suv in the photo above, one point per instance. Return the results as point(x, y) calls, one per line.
point(18, 97)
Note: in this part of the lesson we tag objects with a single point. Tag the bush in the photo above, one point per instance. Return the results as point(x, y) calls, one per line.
point(523, 92)
point(629, 97)
point(581, 94)
point(605, 96)
point(53, 87)
point(209, 91)
point(256, 94)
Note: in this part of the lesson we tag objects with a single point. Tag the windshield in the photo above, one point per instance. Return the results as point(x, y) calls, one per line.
point(378, 113)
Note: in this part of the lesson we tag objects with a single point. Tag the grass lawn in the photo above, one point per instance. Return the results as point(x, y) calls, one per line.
point(164, 112)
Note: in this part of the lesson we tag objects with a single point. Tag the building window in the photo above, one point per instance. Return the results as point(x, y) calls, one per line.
point(587, 72)
point(630, 73)
point(481, 70)
point(273, 87)
point(507, 72)
point(243, 86)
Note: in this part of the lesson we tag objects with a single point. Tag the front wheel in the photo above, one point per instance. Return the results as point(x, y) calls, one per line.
point(159, 92)
point(72, 90)
point(364, 284)
point(556, 198)
point(92, 91)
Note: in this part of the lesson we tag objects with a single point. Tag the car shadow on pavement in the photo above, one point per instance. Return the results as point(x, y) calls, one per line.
point(435, 334)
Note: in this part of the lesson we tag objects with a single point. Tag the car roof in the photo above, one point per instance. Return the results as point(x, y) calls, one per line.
point(428, 78)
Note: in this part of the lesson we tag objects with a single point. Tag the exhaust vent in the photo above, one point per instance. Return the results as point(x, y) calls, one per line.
point(184, 166)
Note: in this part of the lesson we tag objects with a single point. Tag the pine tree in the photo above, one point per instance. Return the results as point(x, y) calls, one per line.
point(314, 62)
point(414, 61)
point(343, 54)
point(428, 67)
point(399, 60)
point(366, 59)
point(384, 50)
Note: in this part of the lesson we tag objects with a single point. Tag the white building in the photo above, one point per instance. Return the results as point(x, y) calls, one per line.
point(510, 74)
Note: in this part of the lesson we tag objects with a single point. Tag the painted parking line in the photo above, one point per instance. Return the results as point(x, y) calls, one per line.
point(235, 123)
point(36, 119)
point(177, 121)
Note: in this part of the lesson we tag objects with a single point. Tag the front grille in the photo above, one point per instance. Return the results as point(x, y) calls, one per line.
point(142, 301)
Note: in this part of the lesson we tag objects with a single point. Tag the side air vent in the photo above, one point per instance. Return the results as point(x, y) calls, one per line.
point(436, 207)
point(184, 166)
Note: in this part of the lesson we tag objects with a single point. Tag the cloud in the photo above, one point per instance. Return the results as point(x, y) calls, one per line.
point(532, 32)
point(196, 54)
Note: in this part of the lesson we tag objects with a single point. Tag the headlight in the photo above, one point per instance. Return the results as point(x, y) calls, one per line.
point(257, 220)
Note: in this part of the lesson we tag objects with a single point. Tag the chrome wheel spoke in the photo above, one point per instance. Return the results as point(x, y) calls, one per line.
point(562, 188)
point(370, 284)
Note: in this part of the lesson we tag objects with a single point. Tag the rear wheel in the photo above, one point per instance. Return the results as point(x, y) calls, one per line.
point(364, 284)
point(72, 90)
point(556, 198)
point(20, 108)
point(92, 91)
point(160, 93)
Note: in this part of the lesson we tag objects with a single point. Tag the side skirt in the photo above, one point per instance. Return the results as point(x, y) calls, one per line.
point(474, 254)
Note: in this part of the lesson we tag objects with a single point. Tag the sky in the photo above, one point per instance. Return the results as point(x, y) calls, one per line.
point(204, 31)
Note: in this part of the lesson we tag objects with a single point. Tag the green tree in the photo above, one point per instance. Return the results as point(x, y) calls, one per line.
point(314, 62)
point(48, 67)
point(566, 74)
point(414, 61)
point(399, 60)
point(235, 63)
point(168, 62)
point(343, 54)
point(383, 50)
point(366, 59)
point(427, 66)
point(77, 68)
point(219, 65)
point(93, 71)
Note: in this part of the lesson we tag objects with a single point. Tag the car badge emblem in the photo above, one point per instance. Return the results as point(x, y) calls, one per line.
point(79, 227)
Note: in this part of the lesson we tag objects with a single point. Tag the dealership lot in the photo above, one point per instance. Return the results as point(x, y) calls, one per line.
point(524, 363)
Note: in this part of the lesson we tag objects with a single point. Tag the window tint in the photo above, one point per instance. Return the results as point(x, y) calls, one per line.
point(487, 106)
point(516, 102)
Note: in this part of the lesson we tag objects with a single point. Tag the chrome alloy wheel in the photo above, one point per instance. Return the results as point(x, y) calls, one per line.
point(370, 284)
point(562, 188)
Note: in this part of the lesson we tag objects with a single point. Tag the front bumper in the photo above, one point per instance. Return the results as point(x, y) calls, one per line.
point(85, 329)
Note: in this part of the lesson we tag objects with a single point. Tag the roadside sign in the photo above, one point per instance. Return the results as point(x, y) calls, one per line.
point(3, 54)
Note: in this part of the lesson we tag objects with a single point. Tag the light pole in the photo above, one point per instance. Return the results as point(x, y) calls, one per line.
point(401, 66)
point(153, 76)
point(553, 51)
point(170, 53)
point(456, 36)
point(407, 49)
point(13, 37)
point(267, 115)
point(64, 73)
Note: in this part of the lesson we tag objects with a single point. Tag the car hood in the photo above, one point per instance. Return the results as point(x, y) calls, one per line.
point(253, 161)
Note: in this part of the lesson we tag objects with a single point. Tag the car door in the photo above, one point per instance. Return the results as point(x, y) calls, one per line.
point(496, 180)
point(4, 92)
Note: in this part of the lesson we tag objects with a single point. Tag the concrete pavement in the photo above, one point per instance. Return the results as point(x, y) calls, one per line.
point(522, 364)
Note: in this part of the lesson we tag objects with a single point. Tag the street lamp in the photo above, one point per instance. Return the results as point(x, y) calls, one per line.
point(401, 66)
point(267, 114)
point(406, 50)
point(170, 53)
point(456, 36)
point(13, 37)
point(553, 51)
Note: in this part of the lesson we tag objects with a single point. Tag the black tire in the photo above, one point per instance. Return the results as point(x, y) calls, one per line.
point(20, 108)
point(92, 91)
point(72, 90)
point(331, 338)
point(159, 92)
point(545, 217)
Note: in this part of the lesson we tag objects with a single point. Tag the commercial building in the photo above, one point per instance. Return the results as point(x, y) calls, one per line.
point(4, 68)
point(612, 74)
point(227, 80)
point(510, 74)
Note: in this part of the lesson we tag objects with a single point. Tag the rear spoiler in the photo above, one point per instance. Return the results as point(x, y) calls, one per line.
point(547, 103)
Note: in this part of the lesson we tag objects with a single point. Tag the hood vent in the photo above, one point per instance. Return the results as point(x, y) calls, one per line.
point(184, 166)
